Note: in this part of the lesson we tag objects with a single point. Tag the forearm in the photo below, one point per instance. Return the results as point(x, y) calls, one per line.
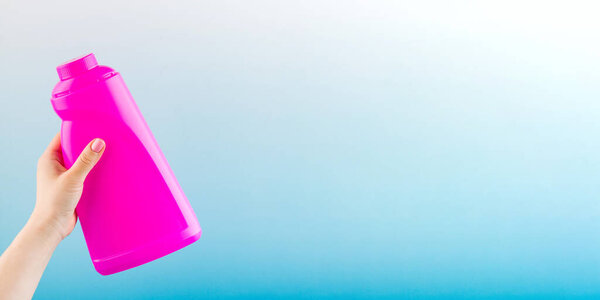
point(22, 264)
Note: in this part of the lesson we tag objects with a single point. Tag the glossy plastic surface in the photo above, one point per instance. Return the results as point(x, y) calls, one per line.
point(132, 210)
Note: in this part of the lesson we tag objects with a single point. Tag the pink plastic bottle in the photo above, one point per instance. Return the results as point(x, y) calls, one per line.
point(132, 210)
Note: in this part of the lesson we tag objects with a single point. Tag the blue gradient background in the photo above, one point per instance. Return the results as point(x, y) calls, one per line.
point(334, 149)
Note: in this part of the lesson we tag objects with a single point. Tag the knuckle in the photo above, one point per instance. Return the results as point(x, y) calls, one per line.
point(70, 182)
point(40, 161)
point(86, 159)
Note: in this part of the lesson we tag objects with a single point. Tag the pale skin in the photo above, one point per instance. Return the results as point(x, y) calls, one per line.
point(52, 219)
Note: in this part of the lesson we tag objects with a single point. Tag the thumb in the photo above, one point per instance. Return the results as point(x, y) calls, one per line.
point(87, 160)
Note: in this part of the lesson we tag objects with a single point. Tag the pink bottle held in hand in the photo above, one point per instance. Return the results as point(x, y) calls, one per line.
point(132, 209)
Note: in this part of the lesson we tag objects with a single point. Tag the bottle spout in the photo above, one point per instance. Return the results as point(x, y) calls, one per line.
point(76, 66)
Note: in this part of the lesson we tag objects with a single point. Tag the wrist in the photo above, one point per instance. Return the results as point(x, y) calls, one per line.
point(45, 226)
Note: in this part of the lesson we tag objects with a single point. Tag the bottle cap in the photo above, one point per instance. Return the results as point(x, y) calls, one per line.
point(76, 66)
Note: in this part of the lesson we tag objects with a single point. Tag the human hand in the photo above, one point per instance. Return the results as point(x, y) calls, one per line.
point(59, 189)
point(53, 218)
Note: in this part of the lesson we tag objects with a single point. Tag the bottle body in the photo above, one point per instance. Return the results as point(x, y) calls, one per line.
point(132, 209)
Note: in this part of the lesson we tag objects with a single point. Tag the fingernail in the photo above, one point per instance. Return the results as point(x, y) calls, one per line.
point(97, 145)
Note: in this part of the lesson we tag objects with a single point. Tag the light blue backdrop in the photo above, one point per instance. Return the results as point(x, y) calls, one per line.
point(334, 148)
